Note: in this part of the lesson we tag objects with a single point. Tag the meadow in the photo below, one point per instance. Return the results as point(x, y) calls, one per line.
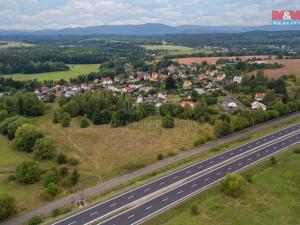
point(168, 50)
point(75, 71)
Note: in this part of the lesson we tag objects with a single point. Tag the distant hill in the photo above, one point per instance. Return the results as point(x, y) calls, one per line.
point(149, 29)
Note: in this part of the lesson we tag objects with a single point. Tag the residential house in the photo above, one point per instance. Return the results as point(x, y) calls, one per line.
point(200, 91)
point(154, 76)
point(221, 77)
point(140, 99)
point(258, 106)
point(163, 76)
point(187, 84)
point(106, 81)
point(172, 68)
point(237, 79)
point(259, 96)
point(187, 103)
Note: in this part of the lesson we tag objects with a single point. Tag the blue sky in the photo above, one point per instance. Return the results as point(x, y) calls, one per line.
point(55, 14)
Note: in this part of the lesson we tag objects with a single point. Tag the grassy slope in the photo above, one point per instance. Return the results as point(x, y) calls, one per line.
point(103, 152)
point(272, 199)
point(75, 71)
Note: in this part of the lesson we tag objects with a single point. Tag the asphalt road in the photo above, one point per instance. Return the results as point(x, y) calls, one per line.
point(158, 204)
point(113, 205)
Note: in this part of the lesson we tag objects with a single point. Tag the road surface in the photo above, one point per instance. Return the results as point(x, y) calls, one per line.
point(124, 200)
point(158, 204)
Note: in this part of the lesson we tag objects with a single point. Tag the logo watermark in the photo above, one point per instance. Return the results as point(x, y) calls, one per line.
point(286, 17)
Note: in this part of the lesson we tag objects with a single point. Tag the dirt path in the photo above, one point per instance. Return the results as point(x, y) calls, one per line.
point(126, 178)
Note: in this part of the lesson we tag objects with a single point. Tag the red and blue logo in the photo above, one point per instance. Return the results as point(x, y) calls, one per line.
point(286, 17)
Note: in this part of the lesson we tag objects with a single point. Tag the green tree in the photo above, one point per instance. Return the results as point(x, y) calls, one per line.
point(51, 176)
point(168, 122)
point(44, 149)
point(84, 123)
point(52, 189)
point(3, 115)
point(13, 126)
point(222, 128)
point(7, 206)
point(170, 83)
point(115, 120)
point(62, 159)
point(233, 185)
point(73, 108)
point(26, 136)
point(28, 172)
point(56, 117)
point(66, 120)
point(194, 210)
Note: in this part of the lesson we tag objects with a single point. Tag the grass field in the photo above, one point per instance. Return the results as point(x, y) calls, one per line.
point(103, 152)
point(174, 49)
point(75, 71)
point(291, 66)
point(13, 44)
point(273, 198)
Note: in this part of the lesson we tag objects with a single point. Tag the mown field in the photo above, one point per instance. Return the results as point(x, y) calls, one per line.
point(75, 71)
point(174, 49)
point(291, 66)
point(13, 44)
point(103, 152)
point(273, 198)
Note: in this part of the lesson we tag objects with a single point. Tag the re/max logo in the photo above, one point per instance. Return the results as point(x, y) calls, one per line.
point(286, 17)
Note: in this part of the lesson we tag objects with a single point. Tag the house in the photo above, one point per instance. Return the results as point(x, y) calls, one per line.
point(187, 103)
point(200, 91)
point(258, 106)
point(237, 79)
point(202, 76)
point(1, 94)
point(44, 89)
point(163, 76)
point(229, 103)
point(154, 76)
point(106, 81)
point(172, 68)
point(147, 76)
point(161, 97)
point(187, 84)
point(232, 105)
point(221, 77)
point(140, 99)
point(259, 96)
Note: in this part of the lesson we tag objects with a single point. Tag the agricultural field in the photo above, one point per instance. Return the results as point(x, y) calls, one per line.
point(75, 71)
point(291, 66)
point(213, 60)
point(13, 44)
point(168, 50)
point(261, 203)
point(103, 152)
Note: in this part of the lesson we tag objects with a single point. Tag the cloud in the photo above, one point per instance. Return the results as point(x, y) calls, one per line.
point(54, 14)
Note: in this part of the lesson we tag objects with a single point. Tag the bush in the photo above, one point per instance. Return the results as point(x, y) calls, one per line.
point(56, 117)
point(74, 177)
point(132, 165)
point(3, 115)
point(13, 126)
point(35, 220)
point(11, 178)
point(7, 206)
point(5, 123)
point(297, 150)
point(28, 172)
point(273, 161)
point(194, 210)
point(62, 159)
point(200, 141)
point(66, 120)
point(160, 157)
point(63, 171)
point(51, 176)
point(168, 122)
point(73, 161)
point(233, 185)
point(52, 189)
point(26, 136)
point(44, 149)
point(84, 123)
point(249, 178)
point(56, 212)
point(172, 153)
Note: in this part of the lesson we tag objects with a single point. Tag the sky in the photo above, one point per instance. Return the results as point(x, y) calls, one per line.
point(57, 14)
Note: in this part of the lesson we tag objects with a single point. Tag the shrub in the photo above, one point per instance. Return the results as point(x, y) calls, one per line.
point(5, 123)
point(62, 159)
point(297, 150)
point(13, 126)
point(160, 157)
point(249, 178)
point(172, 153)
point(84, 123)
point(35, 220)
point(273, 161)
point(233, 185)
point(11, 178)
point(56, 117)
point(200, 141)
point(44, 149)
point(66, 120)
point(56, 212)
point(73, 161)
point(3, 115)
point(194, 210)
point(51, 176)
point(168, 122)
point(63, 171)
point(26, 136)
point(132, 165)
point(74, 177)
point(28, 172)
point(7, 206)
point(52, 189)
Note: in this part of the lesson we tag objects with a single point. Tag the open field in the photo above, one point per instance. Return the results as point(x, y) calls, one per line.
point(213, 60)
point(174, 49)
point(103, 152)
point(291, 66)
point(273, 198)
point(13, 44)
point(75, 71)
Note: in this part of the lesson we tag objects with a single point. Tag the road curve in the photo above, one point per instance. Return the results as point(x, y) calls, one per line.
point(158, 204)
point(115, 204)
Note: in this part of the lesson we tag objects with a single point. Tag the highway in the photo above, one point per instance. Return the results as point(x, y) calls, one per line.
point(113, 205)
point(158, 204)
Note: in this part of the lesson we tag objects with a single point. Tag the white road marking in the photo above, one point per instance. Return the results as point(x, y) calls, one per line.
point(240, 164)
point(165, 199)
point(72, 223)
point(188, 171)
point(112, 205)
point(219, 174)
point(175, 177)
point(207, 179)
point(129, 217)
point(179, 192)
point(200, 167)
point(148, 189)
point(149, 207)
point(130, 196)
point(229, 168)
point(194, 185)
point(249, 159)
point(211, 162)
point(161, 183)
point(94, 213)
